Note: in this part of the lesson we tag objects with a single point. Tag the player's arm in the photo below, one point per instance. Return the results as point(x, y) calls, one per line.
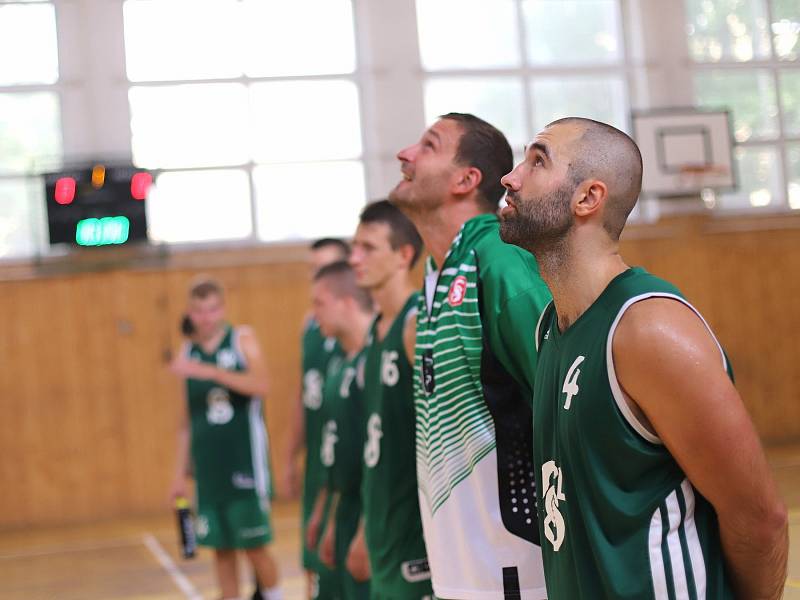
point(357, 556)
point(294, 445)
point(410, 338)
point(671, 367)
point(327, 545)
point(315, 520)
point(252, 382)
point(182, 467)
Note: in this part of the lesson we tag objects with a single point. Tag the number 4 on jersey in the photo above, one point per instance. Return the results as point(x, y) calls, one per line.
point(571, 388)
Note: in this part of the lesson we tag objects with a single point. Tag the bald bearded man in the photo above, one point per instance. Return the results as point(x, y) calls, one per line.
point(651, 482)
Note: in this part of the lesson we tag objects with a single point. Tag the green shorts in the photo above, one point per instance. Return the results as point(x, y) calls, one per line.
point(240, 523)
point(411, 580)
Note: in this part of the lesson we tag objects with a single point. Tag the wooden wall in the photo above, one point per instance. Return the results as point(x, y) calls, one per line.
point(88, 409)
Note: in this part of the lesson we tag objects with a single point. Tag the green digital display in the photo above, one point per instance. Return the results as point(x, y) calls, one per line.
point(102, 232)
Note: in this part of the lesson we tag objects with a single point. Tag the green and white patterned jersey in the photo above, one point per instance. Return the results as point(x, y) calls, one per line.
point(618, 516)
point(475, 369)
point(393, 525)
point(229, 440)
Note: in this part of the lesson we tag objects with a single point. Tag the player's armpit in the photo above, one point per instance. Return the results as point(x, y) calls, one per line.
point(667, 361)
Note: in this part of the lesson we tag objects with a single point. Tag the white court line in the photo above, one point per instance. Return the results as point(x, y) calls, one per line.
point(183, 583)
point(64, 549)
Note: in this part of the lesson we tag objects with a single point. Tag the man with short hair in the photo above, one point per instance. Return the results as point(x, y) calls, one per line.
point(343, 311)
point(317, 352)
point(222, 423)
point(651, 480)
point(386, 246)
point(473, 367)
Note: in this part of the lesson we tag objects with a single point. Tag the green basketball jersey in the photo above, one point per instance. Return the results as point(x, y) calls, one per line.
point(474, 368)
point(229, 440)
point(317, 351)
point(619, 518)
point(340, 453)
point(393, 525)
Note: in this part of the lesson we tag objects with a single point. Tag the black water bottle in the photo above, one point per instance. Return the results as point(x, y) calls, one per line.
point(186, 528)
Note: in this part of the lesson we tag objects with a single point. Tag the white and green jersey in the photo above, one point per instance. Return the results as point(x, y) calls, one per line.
point(474, 369)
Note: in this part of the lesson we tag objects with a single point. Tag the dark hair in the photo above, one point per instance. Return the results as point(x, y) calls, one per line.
point(340, 245)
point(401, 230)
point(204, 287)
point(187, 327)
point(605, 152)
point(342, 280)
point(484, 147)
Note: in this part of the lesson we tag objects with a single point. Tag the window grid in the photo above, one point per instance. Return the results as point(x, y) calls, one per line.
point(779, 142)
point(527, 73)
point(251, 165)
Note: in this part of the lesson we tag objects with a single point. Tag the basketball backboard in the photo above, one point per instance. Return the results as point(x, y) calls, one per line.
point(685, 151)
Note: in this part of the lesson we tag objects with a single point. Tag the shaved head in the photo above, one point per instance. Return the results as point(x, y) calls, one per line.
point(606, 153)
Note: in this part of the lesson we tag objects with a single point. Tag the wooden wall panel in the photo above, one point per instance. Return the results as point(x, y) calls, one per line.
point(89, 408)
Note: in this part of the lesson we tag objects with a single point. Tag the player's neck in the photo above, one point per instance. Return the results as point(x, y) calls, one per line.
point(391, 296)
point(210, 342)
point(578, 276)
point(439, 228)
point(352, 339)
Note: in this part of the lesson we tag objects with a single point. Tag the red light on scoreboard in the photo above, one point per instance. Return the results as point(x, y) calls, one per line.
point(65, 190)
point(140, 184)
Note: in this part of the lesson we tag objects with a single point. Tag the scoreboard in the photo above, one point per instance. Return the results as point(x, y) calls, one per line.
point(98, 205)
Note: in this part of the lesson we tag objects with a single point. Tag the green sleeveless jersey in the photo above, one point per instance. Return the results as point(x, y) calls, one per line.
point(619, 518)
point(474, 369)
point(317, 351)
point(229, 440)
point(393, 526)
point(343, 426)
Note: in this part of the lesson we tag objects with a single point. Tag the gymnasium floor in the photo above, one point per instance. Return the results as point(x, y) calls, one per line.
point(136, 559)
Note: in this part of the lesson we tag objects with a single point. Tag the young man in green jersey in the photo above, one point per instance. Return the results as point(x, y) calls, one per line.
point(222, 433)
point(344, 311)
point(473, 367)
point(386, 246)
point(651, 481)
point(306, 427)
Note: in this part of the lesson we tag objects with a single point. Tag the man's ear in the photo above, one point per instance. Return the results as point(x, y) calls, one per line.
point(591, 195)
point(468, 179)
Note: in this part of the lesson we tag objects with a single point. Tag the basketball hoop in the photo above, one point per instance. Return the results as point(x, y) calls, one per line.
point(701, 178)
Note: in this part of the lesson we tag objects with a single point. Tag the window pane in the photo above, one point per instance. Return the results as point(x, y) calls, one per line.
point(28, 34)
point(200, 205)
point(286, 209)
point(749, 94)
point(553, 26)
point(727, 30)
point(305, 120)
point(30, 131)
point(467, 34)
point(790, 102)
point(22, 220)
point(281, 39)
point(599, 98)
point(786, 28)
point(759, 179)
point(793, 153)
point(497, 100)
point(182, 39)
point(189, 125)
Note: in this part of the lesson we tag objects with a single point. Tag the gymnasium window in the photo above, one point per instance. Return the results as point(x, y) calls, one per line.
point(527, 69)
point(745, 58)
point(30, 121)
point(251, 112)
